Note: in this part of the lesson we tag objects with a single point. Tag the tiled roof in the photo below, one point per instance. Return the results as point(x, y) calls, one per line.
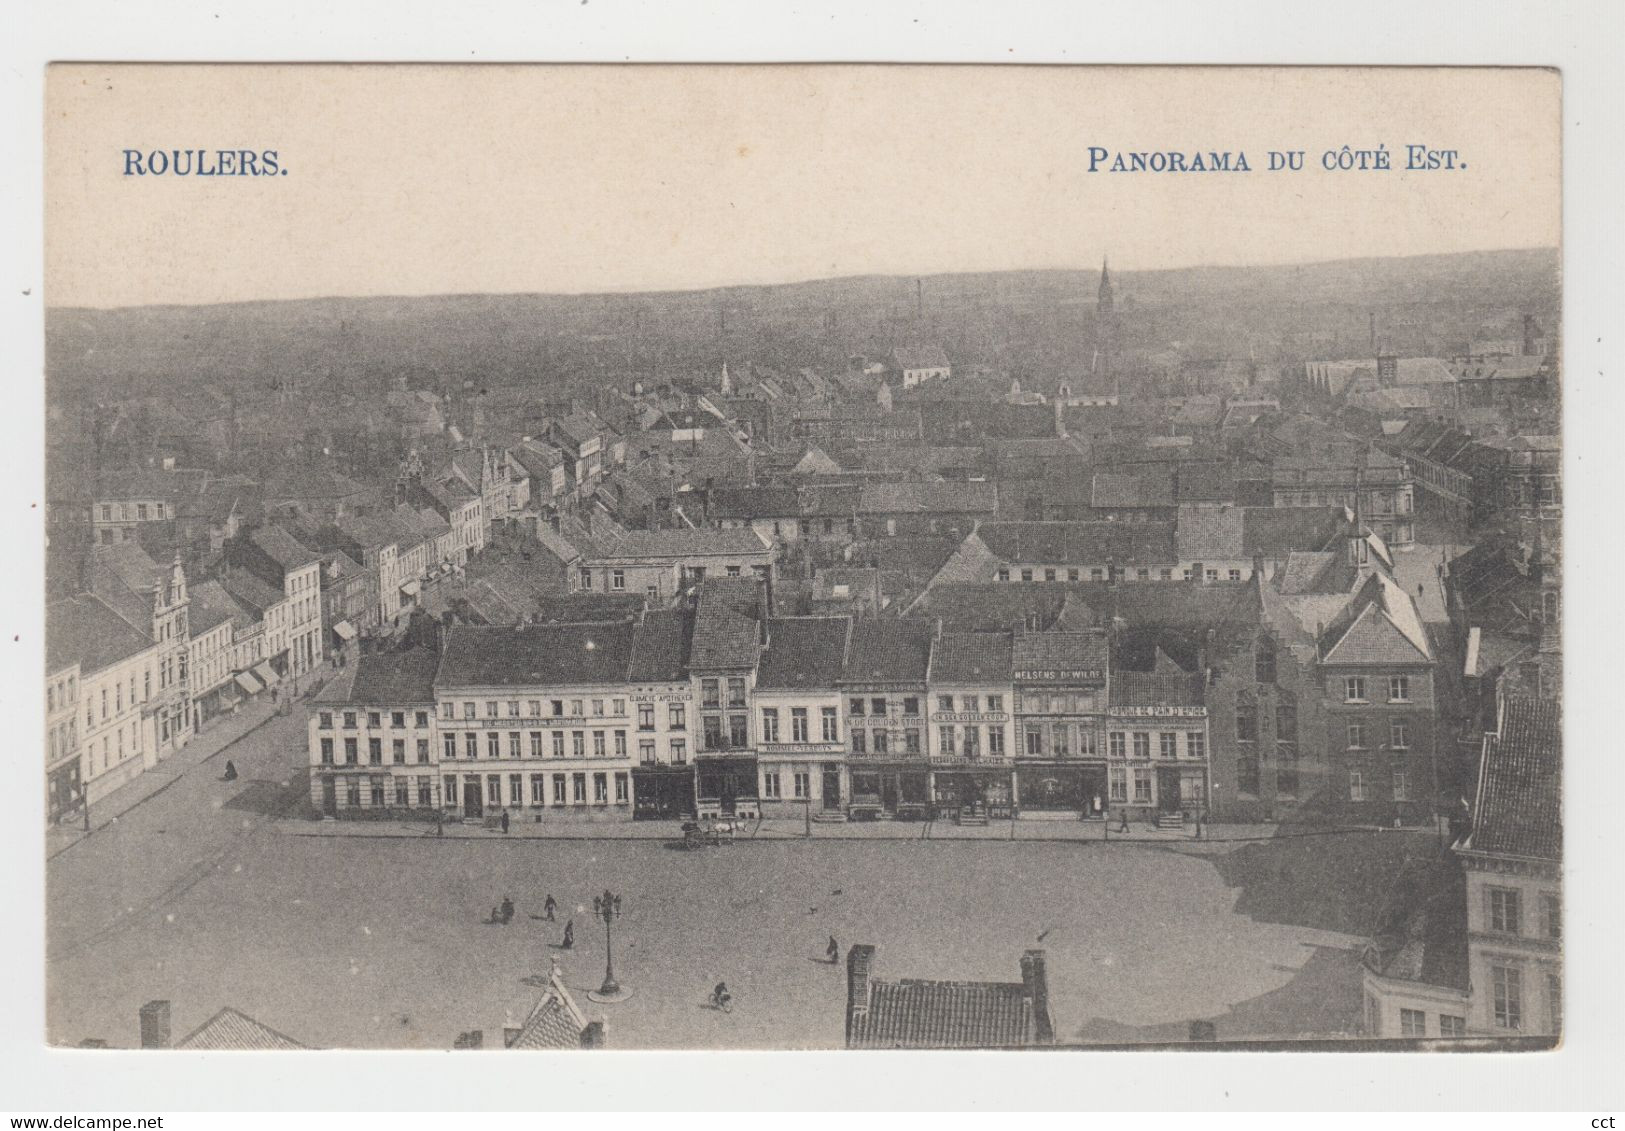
point(211, 605)
point(577, 428)
point(754, 502)
point(562, 655)
point(831, 500)
point(536, 457)
point(85, 628)
point(556, 1022)
point(1148, 487)
point(1313, 571)
point(1080, 543)
point(1155, 689)
point(660, 646)
point(803, 652)
point(251, 592)
point(1273, 531)
point(131, 564)
point(1147, 604)
point(579, 608)
point(1520, 802)
point(929, 498)
point(281, 547)
point(972, 657)
point(369, 532)
point(1379, 626)
point(726, 633)
point(888, 652)
point(1069, 650)
point(230, 1030)
point(637, 544)
point(395, 677)
point(920, 1014)
point(1205, 533)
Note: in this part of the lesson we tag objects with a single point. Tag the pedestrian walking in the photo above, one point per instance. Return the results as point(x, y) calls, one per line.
point(507, 909)
point(549, 907)
point(833, 951)
point(231, 770)
point(274, 692)
point(504, 820)
point(569, 934)
point(1122, 825)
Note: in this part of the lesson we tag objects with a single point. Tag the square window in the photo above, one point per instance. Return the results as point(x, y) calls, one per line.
point(1412, 1023)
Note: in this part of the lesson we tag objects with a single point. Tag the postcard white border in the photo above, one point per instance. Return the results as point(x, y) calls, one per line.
point(1580, 39)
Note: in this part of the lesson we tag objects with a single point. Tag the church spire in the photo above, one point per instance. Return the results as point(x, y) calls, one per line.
point(1106, 303)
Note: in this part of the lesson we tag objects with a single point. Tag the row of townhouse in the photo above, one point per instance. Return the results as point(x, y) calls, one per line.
point(725, 709)
point(1319, 681)
point(379, 565)
point(845, 512)
point(1204, 545)
point(117, 675)
point(138, 659)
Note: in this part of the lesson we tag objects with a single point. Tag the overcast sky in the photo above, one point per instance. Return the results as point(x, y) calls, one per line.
point(430, 180)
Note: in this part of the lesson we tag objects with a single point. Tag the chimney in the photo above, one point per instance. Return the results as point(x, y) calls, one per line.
point(1372, 321)
point(474, 1039)
point(510, 1034)
point(859, 960)
point(155, 1025)
point(1035, 983)
point(592, 1037)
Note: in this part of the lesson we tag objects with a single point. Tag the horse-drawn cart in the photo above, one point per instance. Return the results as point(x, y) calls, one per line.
point(698, 834)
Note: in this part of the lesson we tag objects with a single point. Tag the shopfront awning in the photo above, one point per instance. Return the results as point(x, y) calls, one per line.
point(267, 674)
point(411, 588)
point(248, 683)
point(345, 630)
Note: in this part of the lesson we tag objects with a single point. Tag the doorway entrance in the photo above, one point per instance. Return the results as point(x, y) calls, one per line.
point(330, 798)
point(832, 787)
point(473, 806)
point(1168, 789)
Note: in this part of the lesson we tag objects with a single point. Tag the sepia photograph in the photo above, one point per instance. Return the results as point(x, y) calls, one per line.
point(803, 557)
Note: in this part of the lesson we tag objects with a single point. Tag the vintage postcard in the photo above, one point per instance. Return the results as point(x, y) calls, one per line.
point(803, 557)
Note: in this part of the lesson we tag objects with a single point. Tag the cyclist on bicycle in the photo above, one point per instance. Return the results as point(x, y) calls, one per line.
point(720, 997)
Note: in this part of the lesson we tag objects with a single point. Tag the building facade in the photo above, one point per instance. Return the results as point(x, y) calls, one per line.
point(800, 750)
point(536, 720)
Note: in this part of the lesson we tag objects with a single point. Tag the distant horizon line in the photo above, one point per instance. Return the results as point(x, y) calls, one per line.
point(809, 281)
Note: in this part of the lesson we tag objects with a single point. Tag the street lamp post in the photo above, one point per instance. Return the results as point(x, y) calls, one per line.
point(608, 908)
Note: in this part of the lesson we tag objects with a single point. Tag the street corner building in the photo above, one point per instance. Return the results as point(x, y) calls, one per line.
point(1477, 950)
